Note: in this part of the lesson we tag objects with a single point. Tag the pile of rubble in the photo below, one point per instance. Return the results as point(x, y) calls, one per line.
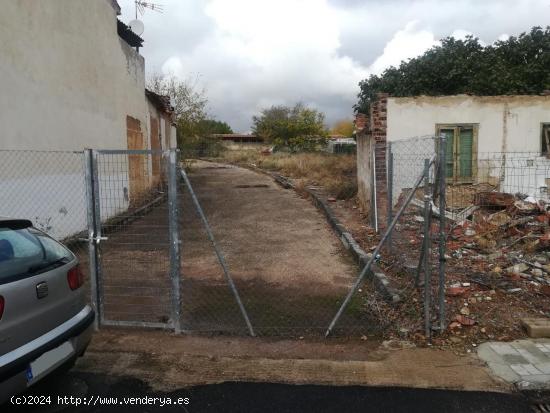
point(501, 225)
point(504, 245)
point(506, 229)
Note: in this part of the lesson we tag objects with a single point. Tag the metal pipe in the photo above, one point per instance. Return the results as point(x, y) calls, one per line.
point(375, 195)
point(221, 259)
point(139, 324)
point(375, 252)
point(175, 258)
point(442, 235)
point(98, 237)
point(427, 249)
point(90, 205)
point(389, 176)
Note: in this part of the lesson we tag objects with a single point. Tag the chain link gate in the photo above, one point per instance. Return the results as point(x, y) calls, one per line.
point(133, 237)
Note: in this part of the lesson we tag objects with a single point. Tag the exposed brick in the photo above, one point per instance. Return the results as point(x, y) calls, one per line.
point(361, 122)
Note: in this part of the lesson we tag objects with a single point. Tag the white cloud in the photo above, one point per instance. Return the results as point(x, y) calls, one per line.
point(263, 54)
point(405, 44)
point(254, 53)
point(461, 34)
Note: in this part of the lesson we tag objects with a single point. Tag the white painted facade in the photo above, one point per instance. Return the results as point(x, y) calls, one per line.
point(67, 82)
point(508, 125)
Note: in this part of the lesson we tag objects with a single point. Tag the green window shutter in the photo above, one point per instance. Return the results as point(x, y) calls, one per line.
point(449, 156)
point(465, 151)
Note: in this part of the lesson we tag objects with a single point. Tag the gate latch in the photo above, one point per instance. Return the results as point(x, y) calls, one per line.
point(94, 240)
point(97, 240)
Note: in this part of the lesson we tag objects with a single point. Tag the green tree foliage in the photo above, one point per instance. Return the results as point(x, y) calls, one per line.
point(192, 122)
point(189, 102)
point(297, 128)
point(211, 126)
point(518, 65)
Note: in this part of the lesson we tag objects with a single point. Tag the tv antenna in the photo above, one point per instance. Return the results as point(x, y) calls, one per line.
point(141, 6)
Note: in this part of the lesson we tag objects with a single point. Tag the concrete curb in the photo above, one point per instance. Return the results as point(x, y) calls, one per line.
point(376, 275)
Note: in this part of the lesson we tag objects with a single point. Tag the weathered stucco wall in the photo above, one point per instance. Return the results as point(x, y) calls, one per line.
point(364, 172)
point(67, 82)
point(508, 148)
point(67, 79)
point(506, 123)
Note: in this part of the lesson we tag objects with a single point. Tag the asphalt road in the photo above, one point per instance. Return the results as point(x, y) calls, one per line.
point(254, 397)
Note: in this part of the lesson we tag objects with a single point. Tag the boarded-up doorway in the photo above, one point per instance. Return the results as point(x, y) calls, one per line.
point(155, 146)
point(137, 168)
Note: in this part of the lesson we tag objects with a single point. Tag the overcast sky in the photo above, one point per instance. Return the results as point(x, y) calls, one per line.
point(251, 54)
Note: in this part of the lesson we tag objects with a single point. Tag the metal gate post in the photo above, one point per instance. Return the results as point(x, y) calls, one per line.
point(374, 202)
point(442, 236)
point(93, 253)
point(389, 177)
point(427, 250)
point(98, 237)
point(174, 239)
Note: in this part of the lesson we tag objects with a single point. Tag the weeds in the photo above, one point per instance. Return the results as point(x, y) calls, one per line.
point(335, 173)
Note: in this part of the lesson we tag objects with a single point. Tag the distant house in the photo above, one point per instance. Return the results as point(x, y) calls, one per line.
point(503, 141)
point(71, 77)
point(238, 137)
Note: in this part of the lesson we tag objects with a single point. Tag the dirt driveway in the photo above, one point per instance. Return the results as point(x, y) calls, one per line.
point(289, 267)
point(287, 264)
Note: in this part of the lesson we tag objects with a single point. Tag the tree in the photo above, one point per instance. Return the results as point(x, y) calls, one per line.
point(518, 65)
point(211, 126)
point(343, 127)
point(297, 128)
point(189, 102)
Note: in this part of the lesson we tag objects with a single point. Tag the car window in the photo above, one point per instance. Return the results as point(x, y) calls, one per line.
point(53, 249)
point(13, 244)
point(28, 251)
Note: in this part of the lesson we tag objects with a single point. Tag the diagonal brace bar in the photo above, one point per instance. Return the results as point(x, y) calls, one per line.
point(219, 254)
point(375, 253)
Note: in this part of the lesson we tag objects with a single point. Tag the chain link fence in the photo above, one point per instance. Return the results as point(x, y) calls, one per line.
point(134, 277)
point(129, 277)
point(467, 204)
point(47, 187)
point(112, 209)
point(261, 251)
point(197, 255)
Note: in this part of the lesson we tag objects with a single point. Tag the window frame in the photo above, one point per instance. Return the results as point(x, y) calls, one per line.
point(455, 178)
point(542, 139)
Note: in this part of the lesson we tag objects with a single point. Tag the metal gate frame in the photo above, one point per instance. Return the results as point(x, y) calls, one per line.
point(95, 237)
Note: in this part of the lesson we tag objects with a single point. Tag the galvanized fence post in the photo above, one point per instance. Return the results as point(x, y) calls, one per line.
point(442, 233)
point(98, 237)
point(174, 239)
point(427, 249)
point(389, 177)
point(374, 201)
point(92, 250)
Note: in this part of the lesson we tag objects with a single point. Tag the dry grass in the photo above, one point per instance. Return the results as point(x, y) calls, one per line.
point(335, 173)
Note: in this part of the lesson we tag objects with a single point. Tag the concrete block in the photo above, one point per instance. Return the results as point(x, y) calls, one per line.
point(503, 349)
point(525, 369)
point(536, 327)
point(544, 367)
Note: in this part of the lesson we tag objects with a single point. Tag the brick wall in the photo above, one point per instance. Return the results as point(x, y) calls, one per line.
point(371, 139)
